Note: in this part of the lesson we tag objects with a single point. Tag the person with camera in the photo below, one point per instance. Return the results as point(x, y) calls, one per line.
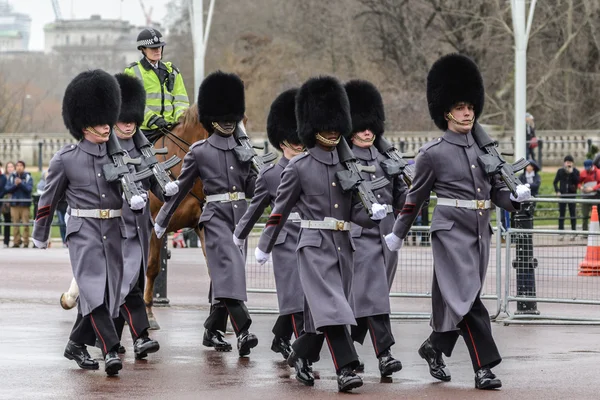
point(565, 185)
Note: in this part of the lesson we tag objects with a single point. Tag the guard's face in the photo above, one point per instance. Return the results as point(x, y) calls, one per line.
point(125, 130)
point(152, 54)
point(363, 139)
point(461, 118)
point(97, 134)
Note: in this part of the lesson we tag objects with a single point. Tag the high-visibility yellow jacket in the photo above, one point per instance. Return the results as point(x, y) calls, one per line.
point(160, 101)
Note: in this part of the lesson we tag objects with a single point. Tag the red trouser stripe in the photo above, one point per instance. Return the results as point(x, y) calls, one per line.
point(373, 337)
point(332, 353)
point(98, 333)
point(473, 342)
point(130, 321)
point(294, 326)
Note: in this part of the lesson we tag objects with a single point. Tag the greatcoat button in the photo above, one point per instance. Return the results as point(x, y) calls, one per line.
point(103, 237)
point(335, 206)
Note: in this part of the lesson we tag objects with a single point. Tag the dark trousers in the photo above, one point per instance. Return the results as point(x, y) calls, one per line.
point(237, 312)
point(134, 312)
point(7, 220)
point(289, 324)
point(379, 327)
point(98, 324)
point(343, 353)
point(476, 330)
point(562, 211)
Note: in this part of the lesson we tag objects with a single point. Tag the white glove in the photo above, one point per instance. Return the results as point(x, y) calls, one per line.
point(523, 194)
point(379, 211)
point(144, 195)
point(261, 256)
point(160, 231)
point(40, 245)
point(137, 202)
point(393, 242)
point(239, 242)
point(172, 188)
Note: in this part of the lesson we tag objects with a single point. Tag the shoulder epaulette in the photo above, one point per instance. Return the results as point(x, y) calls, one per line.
point(198, 143)
point(430, 144)
point(133, 64)
point(298, 158)
point(267, 168)
point(67, 148)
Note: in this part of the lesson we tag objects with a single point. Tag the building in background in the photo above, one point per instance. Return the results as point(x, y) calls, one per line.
point(15, 29)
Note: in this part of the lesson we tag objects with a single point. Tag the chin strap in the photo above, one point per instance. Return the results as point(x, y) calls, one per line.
point(224, 130)
point(358, 139)
point(451, 117)
point(327, 142)
point(287, 144)
point(124, 133)
point(94, 132)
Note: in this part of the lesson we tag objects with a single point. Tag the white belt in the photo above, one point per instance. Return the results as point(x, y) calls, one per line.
point(470, 204)
point(294, 217)
point(328, 223)
point(100, 214)
point(226, 197)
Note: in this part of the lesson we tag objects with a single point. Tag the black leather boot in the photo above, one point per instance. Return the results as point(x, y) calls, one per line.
point(437, 367)
point(486, 380)
point(360, 367)
point(112, 363)
point(388, 364)
point(246, 341)
point(144, 346)
point(215, 339)
point(348, 380)
point(303, 369)
point(281, 345)
point(79, 353)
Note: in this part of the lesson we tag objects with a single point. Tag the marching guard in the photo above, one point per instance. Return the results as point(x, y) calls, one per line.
point(282, 134)
point(374, 264)
point(95, 230)
point(460, 226)
point(227, 182)
point(324, 250)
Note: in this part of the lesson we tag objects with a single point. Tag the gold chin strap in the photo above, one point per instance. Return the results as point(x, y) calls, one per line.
point(451, 117)
point(328, 142)
point(358, 139)
point(287, 144)
point(224, 131)
point(124, 133)
point(94, 132)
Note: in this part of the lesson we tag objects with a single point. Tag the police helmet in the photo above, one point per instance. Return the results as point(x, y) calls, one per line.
point(151, 38)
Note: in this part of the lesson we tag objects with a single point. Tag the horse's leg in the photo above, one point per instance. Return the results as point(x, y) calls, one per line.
point(151, 274)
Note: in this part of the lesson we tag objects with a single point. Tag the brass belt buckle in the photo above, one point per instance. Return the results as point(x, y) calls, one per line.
point(233, 196)
point(104, 214)
point(481, 204)
point(339, 225)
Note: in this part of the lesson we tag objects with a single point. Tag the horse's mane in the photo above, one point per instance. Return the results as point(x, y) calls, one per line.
point(190, 118)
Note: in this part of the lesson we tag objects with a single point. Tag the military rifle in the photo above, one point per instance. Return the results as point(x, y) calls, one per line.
point(149, 160)
point(350, 179)
point(493, 163)
point(245, 151)
point(119, 170)
point(396, 163)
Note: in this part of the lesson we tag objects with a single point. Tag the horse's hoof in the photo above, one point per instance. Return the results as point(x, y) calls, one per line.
point(67, 302)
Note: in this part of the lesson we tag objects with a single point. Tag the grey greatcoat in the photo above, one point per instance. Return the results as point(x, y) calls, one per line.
point(285, 265)
point(94, 244)
point(139, 228)
point(213, 161)
point(374, 264)
point(325, 257)
point(460, 237)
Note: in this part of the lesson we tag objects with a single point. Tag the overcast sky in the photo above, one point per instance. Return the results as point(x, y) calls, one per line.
point(41, 12)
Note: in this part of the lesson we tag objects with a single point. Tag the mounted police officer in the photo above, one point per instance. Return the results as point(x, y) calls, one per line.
point(374, 264)
point(282, 134)
point(166, 97)
point(325, 250)
point(95, 229)
point(460, 226)
point(227, 183)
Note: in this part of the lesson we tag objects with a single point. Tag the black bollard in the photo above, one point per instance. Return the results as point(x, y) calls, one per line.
point(524, 262)
point(160, 284)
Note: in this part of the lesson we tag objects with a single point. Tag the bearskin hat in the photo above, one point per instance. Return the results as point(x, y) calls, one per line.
point(92, 98)
point(452, 79)
point(281, 122)
point(221, 99)
point(322, 105)
point(366, 107)
point(133, 99)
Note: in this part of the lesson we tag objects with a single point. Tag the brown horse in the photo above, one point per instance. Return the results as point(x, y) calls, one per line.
point(187, 215)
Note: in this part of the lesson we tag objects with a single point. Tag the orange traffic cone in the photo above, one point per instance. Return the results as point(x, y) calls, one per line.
point(590, 266)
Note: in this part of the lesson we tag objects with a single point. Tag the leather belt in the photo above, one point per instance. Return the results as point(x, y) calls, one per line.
point(226, 197)
point(100, 214)
point(294, 217)
point(470, 204)
point(330, 224)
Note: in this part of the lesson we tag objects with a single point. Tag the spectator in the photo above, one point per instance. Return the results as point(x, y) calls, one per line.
point(589, 184)
point(532, 177)
point(20, 185)
point(531, 139)
point(565, 185)
point(10, 168)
